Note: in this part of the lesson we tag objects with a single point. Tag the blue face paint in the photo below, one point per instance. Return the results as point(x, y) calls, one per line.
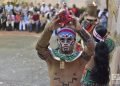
point(66, 39)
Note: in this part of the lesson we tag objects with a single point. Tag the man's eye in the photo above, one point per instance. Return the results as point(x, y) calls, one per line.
point(62, 39)
point(69, 39)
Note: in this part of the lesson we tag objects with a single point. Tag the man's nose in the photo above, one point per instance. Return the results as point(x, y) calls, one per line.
point(65, 41)
point(65, 44)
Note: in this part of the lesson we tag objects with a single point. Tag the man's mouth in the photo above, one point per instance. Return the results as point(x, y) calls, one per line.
point(66, 48)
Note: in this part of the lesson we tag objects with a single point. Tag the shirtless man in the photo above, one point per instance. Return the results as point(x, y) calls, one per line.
point(65, 64)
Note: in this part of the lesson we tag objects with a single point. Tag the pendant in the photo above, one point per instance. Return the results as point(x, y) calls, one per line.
point(62, 64)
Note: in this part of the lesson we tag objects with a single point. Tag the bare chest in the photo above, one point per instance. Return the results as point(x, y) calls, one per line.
point(69, 76)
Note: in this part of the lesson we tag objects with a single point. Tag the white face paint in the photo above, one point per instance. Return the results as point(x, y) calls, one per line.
point(66, 43)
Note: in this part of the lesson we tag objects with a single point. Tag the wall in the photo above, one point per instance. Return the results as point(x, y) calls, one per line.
point(114, 19)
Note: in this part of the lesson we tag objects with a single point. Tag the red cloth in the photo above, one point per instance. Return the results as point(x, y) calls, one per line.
point(35, 17)
point(65, 18)
point(74, 10)
point(17, 18)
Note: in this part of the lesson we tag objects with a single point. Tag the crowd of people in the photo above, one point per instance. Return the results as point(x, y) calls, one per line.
point(25, 16)
point(30, 17)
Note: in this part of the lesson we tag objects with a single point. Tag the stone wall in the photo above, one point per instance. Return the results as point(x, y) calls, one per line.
point(114, 19)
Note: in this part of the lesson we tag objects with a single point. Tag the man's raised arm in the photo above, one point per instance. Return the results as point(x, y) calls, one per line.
point(89, 43)
point(43, 42)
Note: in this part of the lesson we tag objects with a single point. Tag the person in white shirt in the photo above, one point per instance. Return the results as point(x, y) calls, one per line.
point(17, 9)
point(24, 8)
point(10, 21)
point(8, 7)
point(31, 7)
point(44, 8)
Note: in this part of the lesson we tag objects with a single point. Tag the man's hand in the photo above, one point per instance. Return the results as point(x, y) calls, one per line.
point(54, 24)
point(75, 23)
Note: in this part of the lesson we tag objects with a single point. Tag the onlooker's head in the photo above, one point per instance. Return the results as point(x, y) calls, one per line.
point(74, 6)
point(99, 33)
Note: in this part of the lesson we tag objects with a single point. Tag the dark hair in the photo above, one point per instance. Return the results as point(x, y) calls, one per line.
point(74, 5)
point(48, 16)
point(101, 30)
point(98, 10)
point(105, 10)
point(101, 70)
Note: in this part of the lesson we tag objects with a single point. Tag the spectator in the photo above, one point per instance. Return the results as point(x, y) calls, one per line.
point(31, 21)
point(103, 19)
point(3, 21)
point(44, 8)
point(36, 21)
point(31, 7)
point(74, 10)
point(22, 25)
point(24, 8)
point(10, 21)
point(43, 21)
point(9, 7)
point(17, 9)
point(57, 8)
point(37, 8)
point(17, 20)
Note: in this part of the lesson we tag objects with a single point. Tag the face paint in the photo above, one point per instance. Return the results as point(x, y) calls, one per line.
point(66, 42)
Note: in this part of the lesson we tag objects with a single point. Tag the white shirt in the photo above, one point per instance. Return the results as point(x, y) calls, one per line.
point(18, 9)
point(8, 8)
point(44, 9)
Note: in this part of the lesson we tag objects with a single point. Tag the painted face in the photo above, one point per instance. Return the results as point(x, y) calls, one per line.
point(66, 42)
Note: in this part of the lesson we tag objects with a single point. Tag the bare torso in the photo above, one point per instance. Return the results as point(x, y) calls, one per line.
point(69, 76)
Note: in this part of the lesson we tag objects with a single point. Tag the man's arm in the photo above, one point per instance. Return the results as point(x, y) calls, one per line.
point(89, 44)
point(43, 42)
